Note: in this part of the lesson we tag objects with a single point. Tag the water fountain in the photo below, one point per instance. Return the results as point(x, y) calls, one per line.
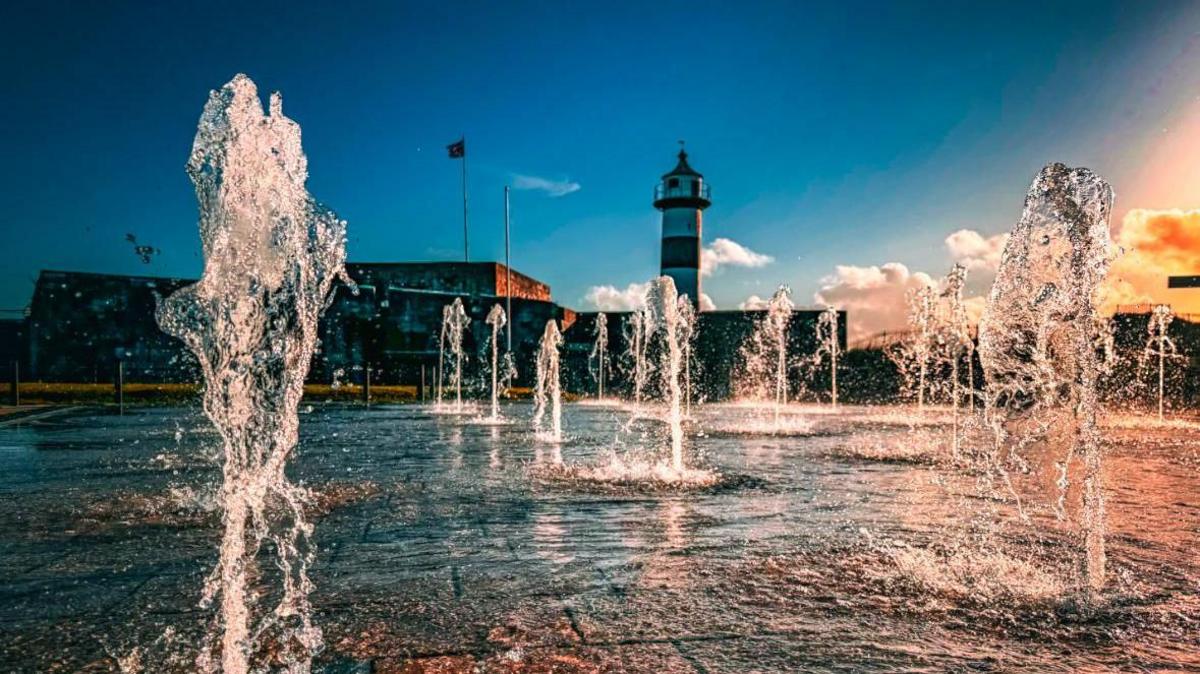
point(829, 347)
point(635, 352)
point(454, 324)
point(667, 324)
point(496, 319)
point(1037, 344)
point(779, 314)
point(1106, 344)
point(663, 328)
point(761, 378)
point(547, 390)
point(914, 353)
point(271, 257)
point(957, 342)
point(764, 355)
point(600, 353)
point(1159, 346)
point(687, 340)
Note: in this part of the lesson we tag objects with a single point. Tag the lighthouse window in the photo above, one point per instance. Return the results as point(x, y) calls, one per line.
point(673, 182)
point(695, 188)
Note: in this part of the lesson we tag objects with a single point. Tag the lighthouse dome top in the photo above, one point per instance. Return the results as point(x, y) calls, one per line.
point(682, 168)
point(682, 187)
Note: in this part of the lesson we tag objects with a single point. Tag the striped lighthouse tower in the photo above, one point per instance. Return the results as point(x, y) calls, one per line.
point(682, 196)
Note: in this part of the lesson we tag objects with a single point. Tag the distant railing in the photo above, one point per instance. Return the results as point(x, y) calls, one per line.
point(685, 190)
point(1147, 307)
point(1143, 308)
point(888, 338)
point(879, 340)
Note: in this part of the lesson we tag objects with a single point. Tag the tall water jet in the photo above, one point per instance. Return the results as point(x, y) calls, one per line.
point(441, 368)
point(918, 348)
point(665, 322)
point(1038, 336)
point(454, 325)
point(829, 347)
point(687, 340)
point(635, 351)
point(764, 355)
point(271, 257)
point(547, 390)
point(496, 318)
point(1160, 347)
point(957, 342)
point(779, 313)
point(600, 353)
point(1106, 343)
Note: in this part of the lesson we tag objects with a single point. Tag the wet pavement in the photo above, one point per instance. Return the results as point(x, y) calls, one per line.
point(848, 543)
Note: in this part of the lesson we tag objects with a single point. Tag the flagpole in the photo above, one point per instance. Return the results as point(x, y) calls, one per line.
point(507, 272)
point(466, 244)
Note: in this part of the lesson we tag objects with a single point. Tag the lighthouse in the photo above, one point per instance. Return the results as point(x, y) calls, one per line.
point(682, 196)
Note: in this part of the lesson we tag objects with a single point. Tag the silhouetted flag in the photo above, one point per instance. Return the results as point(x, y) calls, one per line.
point(457, 150)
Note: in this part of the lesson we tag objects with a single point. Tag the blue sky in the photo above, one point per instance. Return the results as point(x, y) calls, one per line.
point(843, 133)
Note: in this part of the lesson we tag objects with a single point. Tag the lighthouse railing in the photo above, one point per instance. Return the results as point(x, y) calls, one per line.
point(683, 191)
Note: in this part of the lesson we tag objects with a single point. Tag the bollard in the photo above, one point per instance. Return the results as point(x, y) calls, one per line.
point(421, 384)
point(366, 392)
point(121, 387)
point(14, 389)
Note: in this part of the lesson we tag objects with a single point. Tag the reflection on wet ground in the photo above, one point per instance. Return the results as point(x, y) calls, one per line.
point(839, 541)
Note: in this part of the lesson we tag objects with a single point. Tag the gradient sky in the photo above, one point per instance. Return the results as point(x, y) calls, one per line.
point(834, 133)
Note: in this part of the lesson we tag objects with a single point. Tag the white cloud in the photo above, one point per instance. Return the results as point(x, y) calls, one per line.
point(727, 252)
point(873, 297)
point(1156, 244)
point(554, 188)
point(611, 298)
point(753, 303)
point(974, 251)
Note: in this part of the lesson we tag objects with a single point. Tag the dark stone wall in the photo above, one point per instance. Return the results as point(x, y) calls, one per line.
point(1135, 381)
point(12, 347)
point(80, 324)
point(717, 351)
point(395, 333)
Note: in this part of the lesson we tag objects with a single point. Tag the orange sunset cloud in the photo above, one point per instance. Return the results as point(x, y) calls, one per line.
point(1155, 244)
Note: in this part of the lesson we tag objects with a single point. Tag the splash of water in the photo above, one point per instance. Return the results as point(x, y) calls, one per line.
point(599, 353)
point(496, 318)
point(548, 387)
point(667, 325)
point(1037, 341)
point(454, 325)
point(664, 326)
point(271, 257)
point(829, 347)
point(1160, 347)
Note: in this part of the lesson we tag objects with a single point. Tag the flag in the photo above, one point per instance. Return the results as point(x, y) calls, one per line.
point(457, 150)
